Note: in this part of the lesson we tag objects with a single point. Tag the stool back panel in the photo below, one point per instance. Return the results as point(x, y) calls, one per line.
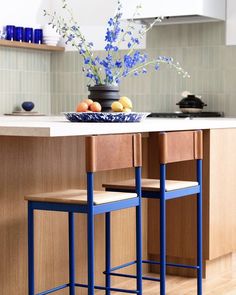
point(108, 152)
point(180, 146)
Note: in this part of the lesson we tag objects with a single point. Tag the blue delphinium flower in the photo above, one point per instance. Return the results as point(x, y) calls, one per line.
point(118, 64)
point(112, 68)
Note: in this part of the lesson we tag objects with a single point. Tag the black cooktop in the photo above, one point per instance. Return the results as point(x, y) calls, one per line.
point(185, 115)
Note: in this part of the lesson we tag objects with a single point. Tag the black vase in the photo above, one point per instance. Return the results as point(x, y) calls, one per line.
point(105, 95)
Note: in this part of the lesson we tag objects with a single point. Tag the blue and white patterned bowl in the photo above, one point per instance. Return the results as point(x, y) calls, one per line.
point(105, 117)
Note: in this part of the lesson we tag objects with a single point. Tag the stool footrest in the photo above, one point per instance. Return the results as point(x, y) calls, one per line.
point(131, 276)
point(86, 286)
point(172, 264)
point(54, 289)
point(113, 273)
point(109, 289)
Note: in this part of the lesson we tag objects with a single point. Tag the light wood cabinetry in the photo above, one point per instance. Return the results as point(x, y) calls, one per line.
point(219, 205)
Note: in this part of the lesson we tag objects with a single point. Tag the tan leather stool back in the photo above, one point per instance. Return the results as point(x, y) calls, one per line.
point(180, 146)
point(107, 152)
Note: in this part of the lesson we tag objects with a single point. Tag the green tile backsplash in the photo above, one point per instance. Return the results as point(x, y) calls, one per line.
point(24, 75)
point(55, 82)
point(198, 47)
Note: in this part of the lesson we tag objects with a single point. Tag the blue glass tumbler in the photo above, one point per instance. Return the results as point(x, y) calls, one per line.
point(10, 33)
point(19, 36)
point(28, 35)
point(38, 36)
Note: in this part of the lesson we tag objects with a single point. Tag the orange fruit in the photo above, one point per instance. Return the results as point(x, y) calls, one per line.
point(88, 101)
point(95, 107)
point(82, 107)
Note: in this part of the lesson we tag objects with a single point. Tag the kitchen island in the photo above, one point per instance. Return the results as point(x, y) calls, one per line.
point(40, 154)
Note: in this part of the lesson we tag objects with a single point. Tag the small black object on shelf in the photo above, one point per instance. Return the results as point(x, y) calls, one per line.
point(27, 106)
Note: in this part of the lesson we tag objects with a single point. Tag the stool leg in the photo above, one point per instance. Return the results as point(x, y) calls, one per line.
point(30, 248)
point(139, 248)
point(162, 246)
point(71, 253)
point(108, 252)
point(199, 229)
point(139, 230)
point(90, 233)
point(90, 238)
point(162, 231)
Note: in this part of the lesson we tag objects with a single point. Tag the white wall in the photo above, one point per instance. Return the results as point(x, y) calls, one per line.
point(90, 12)
point(23, 12)
point(231, 23)
point(92, 16)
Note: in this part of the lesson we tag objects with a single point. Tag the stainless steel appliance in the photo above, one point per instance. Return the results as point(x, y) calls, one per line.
point(185, 115)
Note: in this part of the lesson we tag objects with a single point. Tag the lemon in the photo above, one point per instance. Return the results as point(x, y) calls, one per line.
point(127, 110)
point(126, 102)
point(117, 106)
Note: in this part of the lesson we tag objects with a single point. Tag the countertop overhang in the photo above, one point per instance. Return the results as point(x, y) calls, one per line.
point(56, 126)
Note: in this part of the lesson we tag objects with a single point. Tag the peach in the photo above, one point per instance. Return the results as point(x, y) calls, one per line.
point(82, 107)
point(95, 107)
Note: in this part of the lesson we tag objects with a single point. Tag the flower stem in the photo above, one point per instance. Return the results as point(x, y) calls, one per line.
point(157, 61)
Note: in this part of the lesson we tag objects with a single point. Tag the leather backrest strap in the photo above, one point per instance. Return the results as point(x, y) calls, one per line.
point(116, 151)
point(180, 146)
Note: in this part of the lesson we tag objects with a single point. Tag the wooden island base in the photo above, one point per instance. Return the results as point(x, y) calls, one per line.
point(32, 165)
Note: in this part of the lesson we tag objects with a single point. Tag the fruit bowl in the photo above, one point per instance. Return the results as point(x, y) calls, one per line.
point(105, 117)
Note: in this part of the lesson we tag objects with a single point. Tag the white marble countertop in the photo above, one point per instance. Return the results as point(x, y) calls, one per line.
point(52, 126)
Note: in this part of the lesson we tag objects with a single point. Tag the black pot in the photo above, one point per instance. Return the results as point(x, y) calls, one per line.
point(191, 103)
point(105, 95)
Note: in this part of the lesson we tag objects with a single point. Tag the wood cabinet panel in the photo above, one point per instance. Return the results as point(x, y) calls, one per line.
point(222, 208)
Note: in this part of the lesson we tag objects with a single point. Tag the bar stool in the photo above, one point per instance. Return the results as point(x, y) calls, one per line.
point(172, 147)
point(105, 152)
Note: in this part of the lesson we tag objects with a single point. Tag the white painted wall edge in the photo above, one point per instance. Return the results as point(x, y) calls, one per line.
point(231, 23)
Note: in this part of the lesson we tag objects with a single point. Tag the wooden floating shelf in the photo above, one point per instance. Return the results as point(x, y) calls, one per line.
point(17, 44)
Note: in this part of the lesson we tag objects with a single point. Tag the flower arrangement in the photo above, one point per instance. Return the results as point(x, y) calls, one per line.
point(113, 68)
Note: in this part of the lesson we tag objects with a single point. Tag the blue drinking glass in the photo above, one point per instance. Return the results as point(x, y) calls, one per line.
point(38, 36)
point(28, 35)
point(19, 36)
point(10, 33)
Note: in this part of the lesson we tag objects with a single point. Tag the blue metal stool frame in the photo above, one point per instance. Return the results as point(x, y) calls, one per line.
point(91, 210)
point(164, 196)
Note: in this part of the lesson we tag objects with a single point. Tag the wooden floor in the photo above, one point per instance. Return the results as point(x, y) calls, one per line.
point(224, 284)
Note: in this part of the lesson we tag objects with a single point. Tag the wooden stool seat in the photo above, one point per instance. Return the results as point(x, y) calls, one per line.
point(76, 196)
point(151, 184)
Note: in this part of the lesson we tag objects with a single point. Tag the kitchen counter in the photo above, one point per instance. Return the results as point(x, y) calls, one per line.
point(53, 126)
